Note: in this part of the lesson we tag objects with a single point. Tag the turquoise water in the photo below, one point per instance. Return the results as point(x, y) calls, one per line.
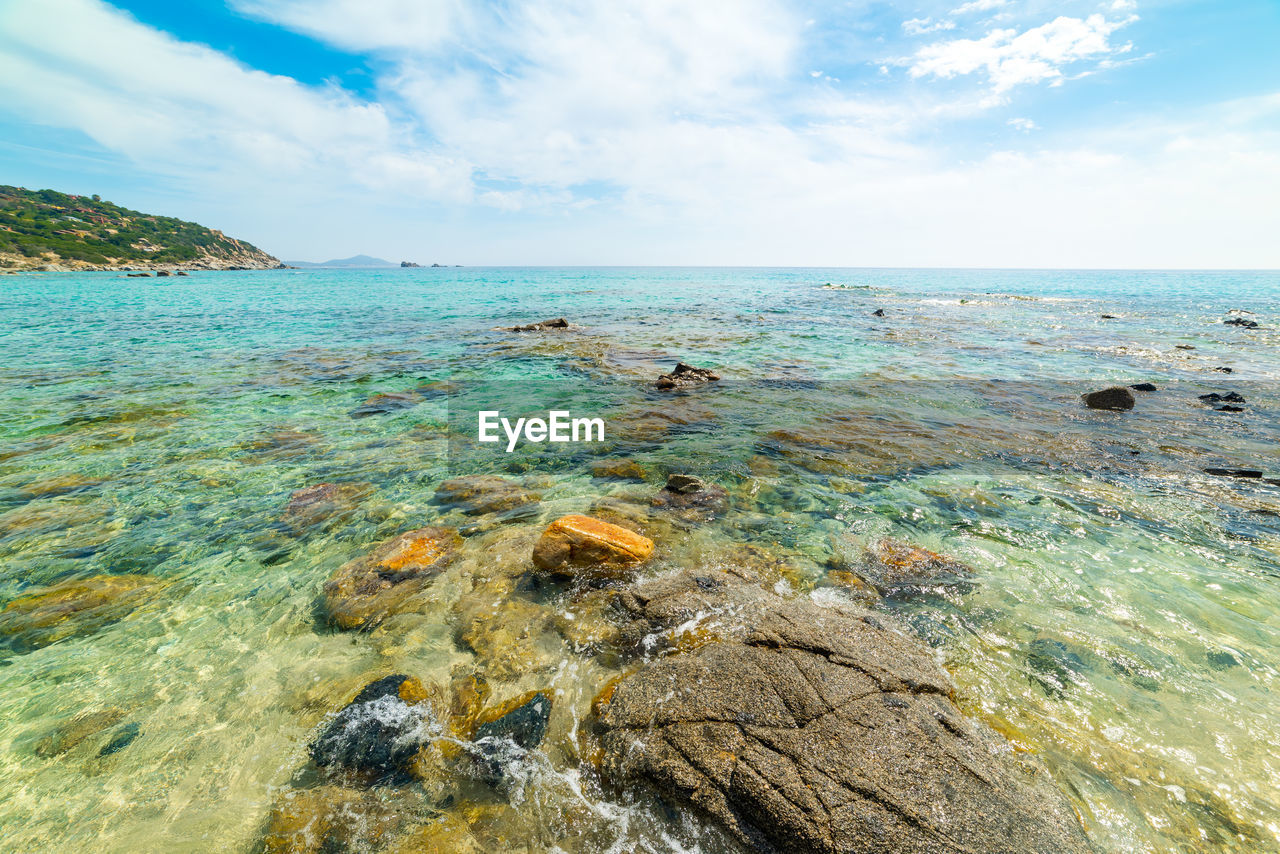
point(1121, 623)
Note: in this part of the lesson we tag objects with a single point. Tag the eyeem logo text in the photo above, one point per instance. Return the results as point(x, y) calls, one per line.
point(559, 426)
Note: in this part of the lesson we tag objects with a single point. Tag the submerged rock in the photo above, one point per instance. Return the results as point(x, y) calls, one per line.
point(481, 493)
point(328, 819)
point(1229, 397)
point(71, 608)
point(1242, 322)
point(695, 499)
point(686, 376)
point(323, 504)
point(507, 633)
point(1115, 398)
point(364, 591)
point(1242, 474)
point(879, 312)
point(122, 739)
point(381, 404)
point(892, 566)
point(1055, 666)
point(574, 545)
point(1144, 387)
point(618, 470)
point(83, 726)
point(542, 326)
point(821, 729)
point(378, 734)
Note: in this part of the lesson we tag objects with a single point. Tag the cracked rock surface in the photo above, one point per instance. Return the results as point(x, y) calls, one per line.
point(808, 728)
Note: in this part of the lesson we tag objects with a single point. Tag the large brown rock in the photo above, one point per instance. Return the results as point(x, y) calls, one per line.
point(323, 505)
point(802, 728)
point(686, 376)
point(366, 590)
point(573, 545)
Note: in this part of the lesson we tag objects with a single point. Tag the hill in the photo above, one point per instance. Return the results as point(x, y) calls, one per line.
point(353, 261)
point(48, 230)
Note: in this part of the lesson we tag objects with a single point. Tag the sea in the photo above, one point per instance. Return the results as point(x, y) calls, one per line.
point(1120, 620)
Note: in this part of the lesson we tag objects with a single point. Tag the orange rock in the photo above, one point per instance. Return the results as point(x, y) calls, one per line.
point(581, 543)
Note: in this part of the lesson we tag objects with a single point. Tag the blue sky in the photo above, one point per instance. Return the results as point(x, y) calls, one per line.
point(1122, 133)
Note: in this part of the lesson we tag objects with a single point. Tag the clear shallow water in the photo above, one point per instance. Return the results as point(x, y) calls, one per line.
point(1122, 624)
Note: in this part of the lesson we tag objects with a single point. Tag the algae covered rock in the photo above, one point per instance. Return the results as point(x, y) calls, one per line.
point(1115, 398)
point(77, 607)
point(364, 591)
point(328, 819)
point(580, 544)
point(482, 493)
point(323, 505)
point(892, 566)
point(686, 376)
point(820, 729)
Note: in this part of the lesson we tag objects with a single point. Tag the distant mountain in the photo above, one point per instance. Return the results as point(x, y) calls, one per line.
point(48, 230)
point(353, 261)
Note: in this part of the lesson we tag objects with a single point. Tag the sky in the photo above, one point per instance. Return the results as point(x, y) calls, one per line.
point(986, 133)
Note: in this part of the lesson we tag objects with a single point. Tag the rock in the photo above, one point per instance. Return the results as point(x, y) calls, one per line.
point(1143, 387)
point(542, 326)
point(479, 494)
point(162, 272)
point(686, 376)
point(377, 734)
point(1183, 347)
point(1228, 409)
point(1242, 322)
point(181, 273)
point(618, 470)
point(879, 312)
point(507, 633)
point(821, 729)
point(520, 723)
point(324, 504)
point(1224, 370)
point(70, 608)
point(366, 590)
point(1109, 317)
point(409, 264)
point(381, 404)
point(1244, 474)
point(1116, 398)
point(1055, 666)
point(64, 484)
point(694, 499)
point(574, 545)
point(73, 732)
point(121, 739)
point(892, 566)
point(138, 275)
point(328, 819)
point(1229, 397)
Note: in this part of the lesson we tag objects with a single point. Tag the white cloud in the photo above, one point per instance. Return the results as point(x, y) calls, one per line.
point(920, 26)
point(980, 6)
point(643, 131)
point(1022, 124)
point(1011, 59)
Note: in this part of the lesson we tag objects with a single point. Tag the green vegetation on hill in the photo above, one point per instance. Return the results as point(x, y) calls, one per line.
point(84, 230)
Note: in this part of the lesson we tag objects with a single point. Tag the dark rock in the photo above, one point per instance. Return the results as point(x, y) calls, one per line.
point(409, 264)
point(379, 732)
point(121, 739)
point(1223, 370)
point(162, 272)
point(1244, 323)
point(1183, 347)
point(818, 729)
point(1114, 398)
point(181, 273)
point(692, 498)
point(1228, 409)
point(686, 376)
point(73, 732)
point(1109, 317)
point(1245, 474)
point(381, 404)
point(482, 493)
point(541, 326)
point(365, 591)
point(1229, 397)
point(1222, 660)
point(1143, 387)
point(138, 275)
point(879, 312)
point(507, 733)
